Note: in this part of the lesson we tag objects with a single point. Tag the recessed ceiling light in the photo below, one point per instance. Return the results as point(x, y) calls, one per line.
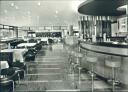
point(12, 4)
point(56, 12)
point(39, 3)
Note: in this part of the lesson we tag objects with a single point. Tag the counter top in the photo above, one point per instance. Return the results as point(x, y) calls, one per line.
point(111, 49)
point(111, 44)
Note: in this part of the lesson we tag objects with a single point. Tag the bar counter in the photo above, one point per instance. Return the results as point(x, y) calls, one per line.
point(107, 52)
point(107, 48)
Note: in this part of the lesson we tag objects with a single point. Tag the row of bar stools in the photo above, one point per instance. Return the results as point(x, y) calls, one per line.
point(92, 61)
point(70, 59)
point(114, 65)
point(73, 64)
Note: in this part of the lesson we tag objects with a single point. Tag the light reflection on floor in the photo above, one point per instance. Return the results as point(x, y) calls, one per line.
point(49, 72)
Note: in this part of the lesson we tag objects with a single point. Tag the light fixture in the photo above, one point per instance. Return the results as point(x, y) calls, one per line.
point(12, 4)
point(56, 12)
point(38, 4)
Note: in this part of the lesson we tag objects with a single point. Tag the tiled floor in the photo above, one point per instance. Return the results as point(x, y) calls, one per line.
point(50, 72)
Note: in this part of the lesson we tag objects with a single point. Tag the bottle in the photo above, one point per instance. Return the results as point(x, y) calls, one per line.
point(104, 37)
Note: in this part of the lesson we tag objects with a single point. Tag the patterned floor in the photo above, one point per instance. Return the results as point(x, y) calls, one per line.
point(50, 72)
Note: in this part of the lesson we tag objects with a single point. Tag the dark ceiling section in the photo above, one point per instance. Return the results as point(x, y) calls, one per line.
point(101, 7)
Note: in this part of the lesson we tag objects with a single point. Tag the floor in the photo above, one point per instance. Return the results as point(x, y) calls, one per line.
point(51, 72)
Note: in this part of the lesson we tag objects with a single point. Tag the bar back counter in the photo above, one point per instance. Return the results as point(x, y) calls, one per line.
point(112, 60)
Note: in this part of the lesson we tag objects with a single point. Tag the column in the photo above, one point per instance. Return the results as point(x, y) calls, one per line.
point(126, 39)
point(71, 30)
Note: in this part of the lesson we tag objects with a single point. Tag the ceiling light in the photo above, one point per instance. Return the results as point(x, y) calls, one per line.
point(39, 3)
point(56, 12)
point(12, 4)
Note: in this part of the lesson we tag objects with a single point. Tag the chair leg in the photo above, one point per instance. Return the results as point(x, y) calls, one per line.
point(18, 78)
point(13, 89)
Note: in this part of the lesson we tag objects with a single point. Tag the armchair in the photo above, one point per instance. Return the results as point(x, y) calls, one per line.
point(6, 85)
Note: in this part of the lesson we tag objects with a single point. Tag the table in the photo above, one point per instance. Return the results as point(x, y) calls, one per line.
point(4, 65)
point(26, 45)
point(7, 50)
point(18, 54)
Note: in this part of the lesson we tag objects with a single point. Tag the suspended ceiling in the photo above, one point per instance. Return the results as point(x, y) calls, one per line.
point(102, 7)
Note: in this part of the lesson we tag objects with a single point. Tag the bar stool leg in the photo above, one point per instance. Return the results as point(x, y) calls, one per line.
point(70, 65)
point(79, 76)
point(92, 76)
point(73, 70)
point(113, 79)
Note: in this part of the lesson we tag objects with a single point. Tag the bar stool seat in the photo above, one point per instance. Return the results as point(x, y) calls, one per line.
point(113, 64)
point(91, 59)
point(79, 55)
point(73, 53)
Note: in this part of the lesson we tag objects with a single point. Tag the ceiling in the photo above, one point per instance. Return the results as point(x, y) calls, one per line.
point(39, 13)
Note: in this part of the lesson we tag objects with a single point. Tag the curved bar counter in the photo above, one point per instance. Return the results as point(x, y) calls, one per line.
point(104, 53)
point(115, 49)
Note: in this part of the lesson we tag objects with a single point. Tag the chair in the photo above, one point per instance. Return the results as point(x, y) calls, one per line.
point(6, 85)
point(10, 72)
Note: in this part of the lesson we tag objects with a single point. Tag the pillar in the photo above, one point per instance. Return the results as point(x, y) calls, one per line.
point(71, 30)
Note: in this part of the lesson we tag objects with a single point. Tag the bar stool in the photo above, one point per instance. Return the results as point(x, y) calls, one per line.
point(71, 64)
point(78, 56)
point(114, 64)
point(92, 61)
point(70, 60)
point(78, 64)
point(70, 55)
